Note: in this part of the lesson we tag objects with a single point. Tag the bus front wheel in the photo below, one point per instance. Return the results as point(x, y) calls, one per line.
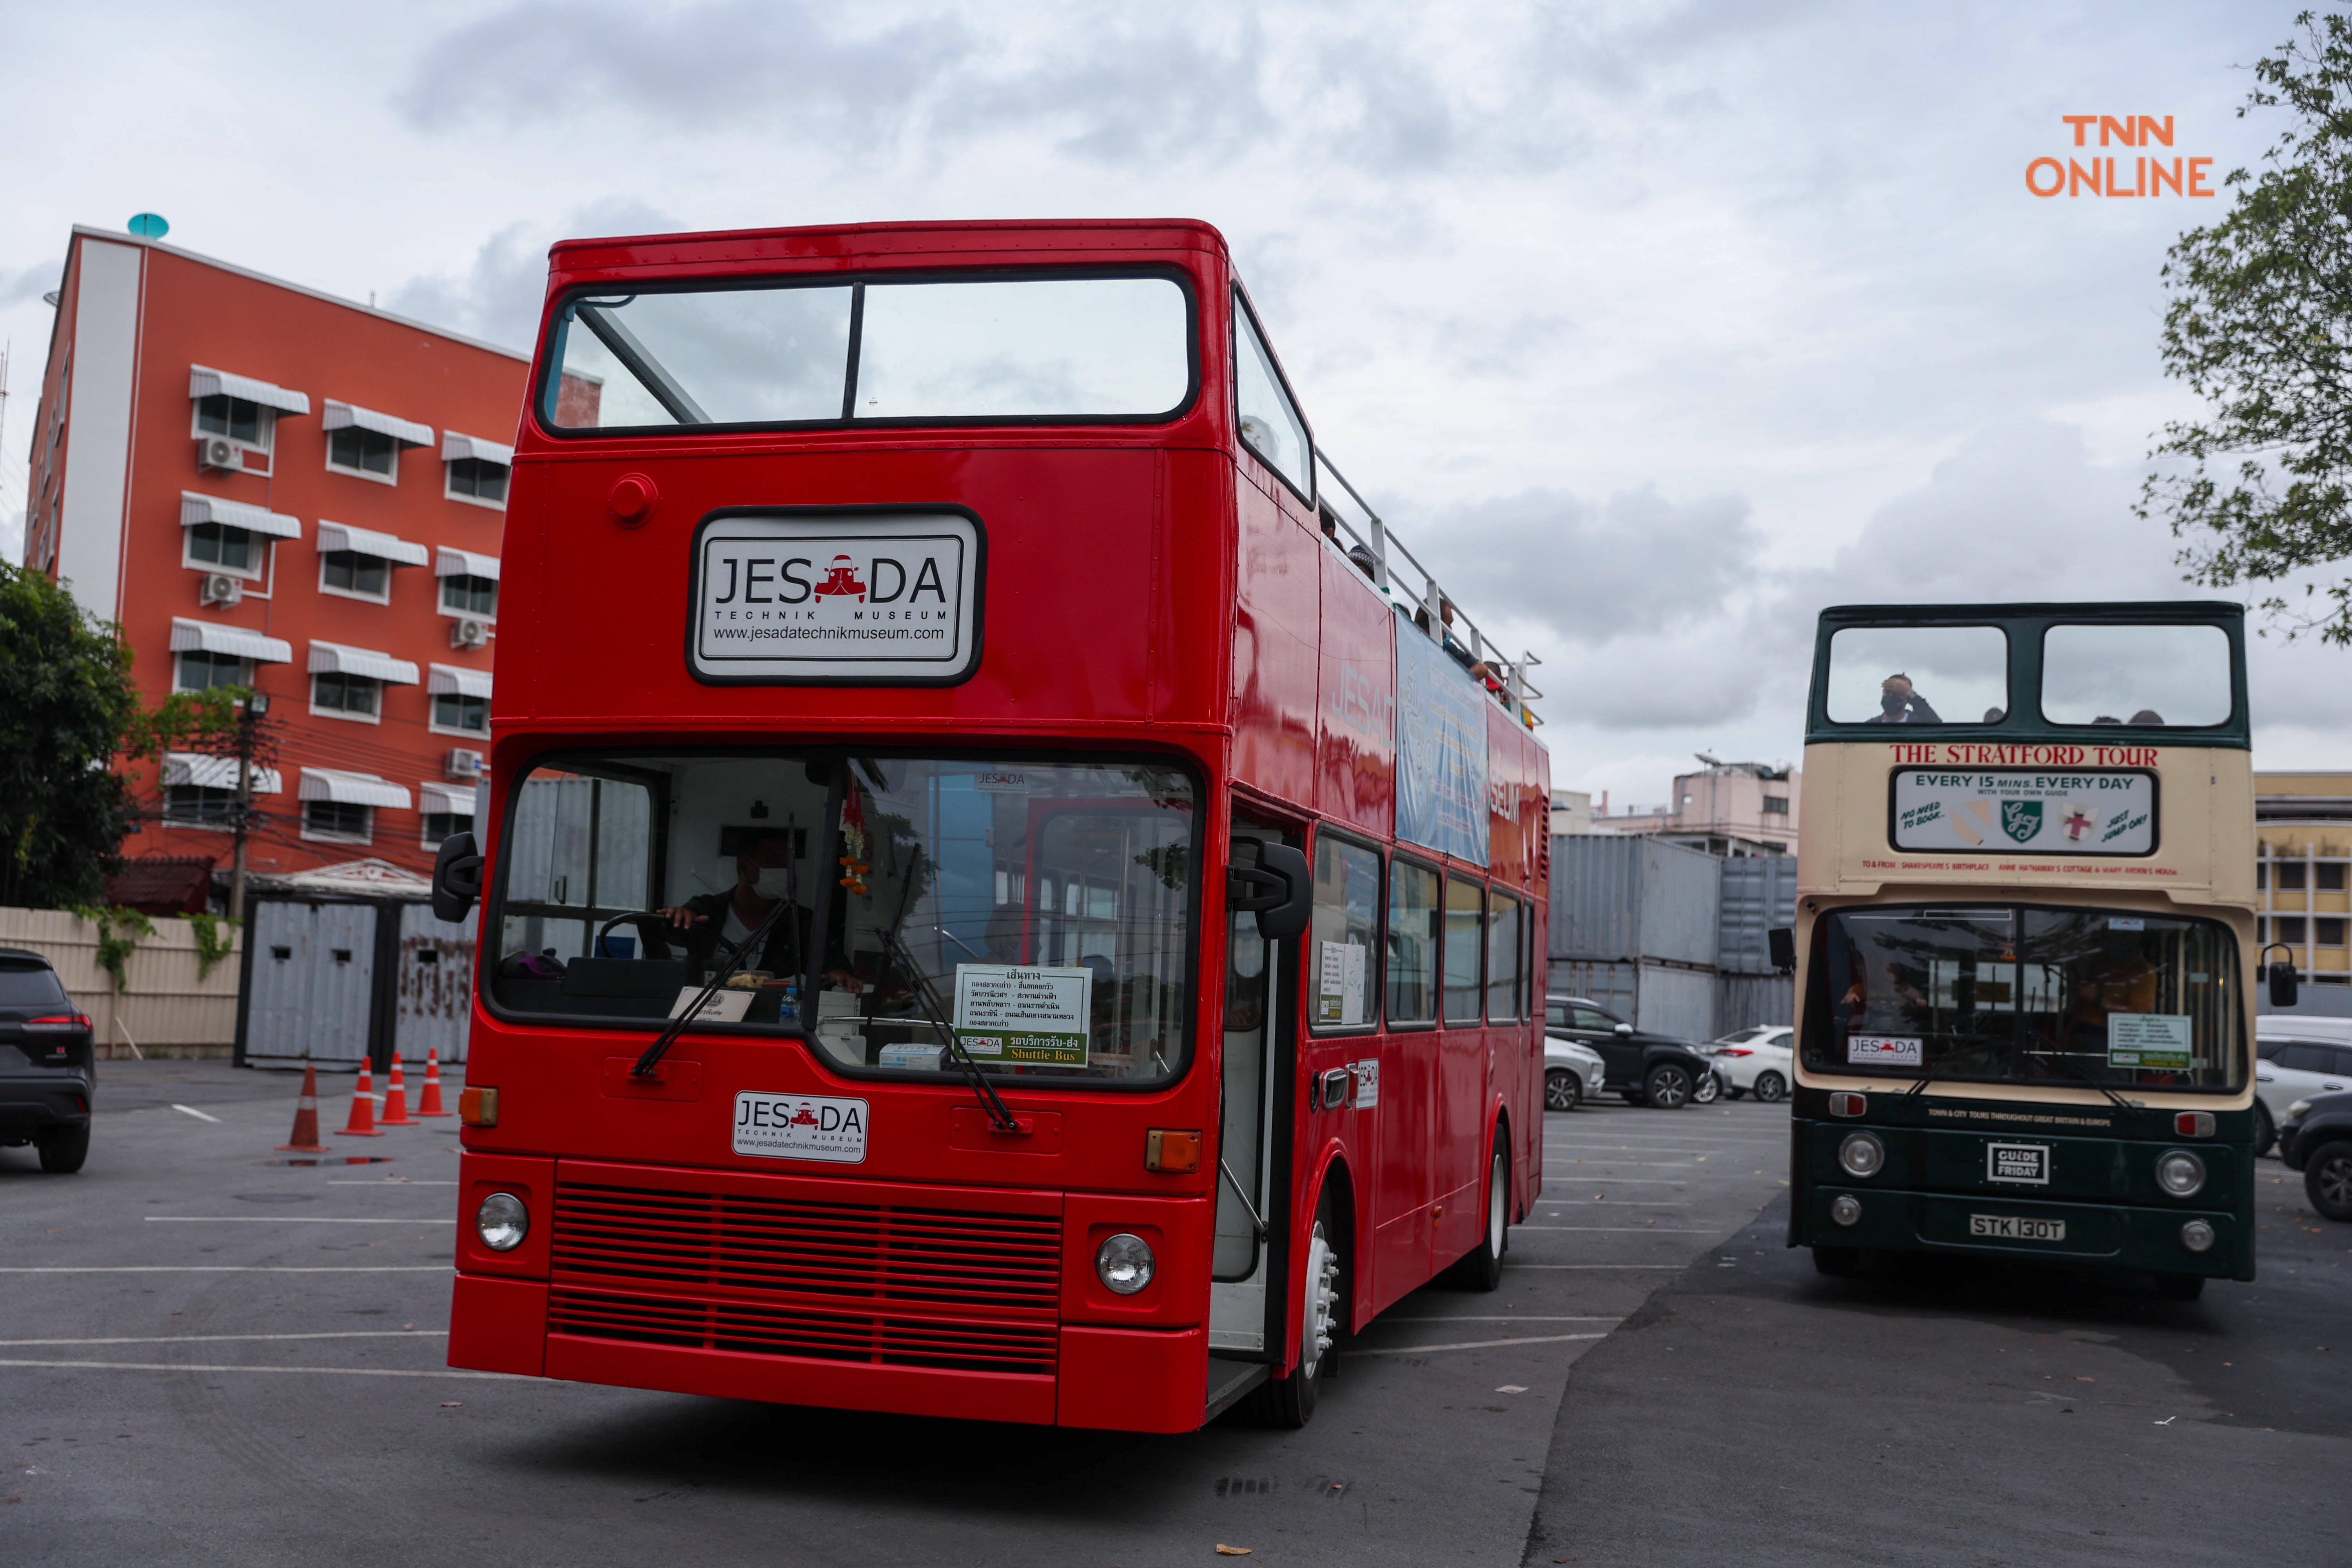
point(1323, 1318)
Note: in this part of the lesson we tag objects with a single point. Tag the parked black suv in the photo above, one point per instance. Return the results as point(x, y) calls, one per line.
point(47, 1064)
point(2317, 1139)
point(1647, 1069)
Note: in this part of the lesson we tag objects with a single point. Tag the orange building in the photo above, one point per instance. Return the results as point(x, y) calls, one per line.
point(266, 486)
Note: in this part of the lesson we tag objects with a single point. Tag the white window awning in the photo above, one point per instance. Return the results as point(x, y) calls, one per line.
point(335, 536)
point(204, 636)
point(334, 658)
point(407, 432)
point(351, 789)
point(465, 563)
point(215, 773)
point(456, 449)
point(205, 381)
point(195, 510)
point(457, 800)
point(453, 680)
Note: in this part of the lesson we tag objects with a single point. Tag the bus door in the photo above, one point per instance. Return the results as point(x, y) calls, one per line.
point(1253, 1142)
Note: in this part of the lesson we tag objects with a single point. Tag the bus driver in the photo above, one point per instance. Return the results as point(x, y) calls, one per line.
point(763, 877)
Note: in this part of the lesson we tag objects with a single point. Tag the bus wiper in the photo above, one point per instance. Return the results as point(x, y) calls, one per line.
point(1002, 1119)
point(2066, 1059)
point(677, 1027)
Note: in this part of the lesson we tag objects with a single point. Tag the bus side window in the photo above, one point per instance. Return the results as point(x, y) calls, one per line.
point(1413, 944)
point(1465, 915)
point(1503, 953)
point(1267, 419)
point(1345, 933)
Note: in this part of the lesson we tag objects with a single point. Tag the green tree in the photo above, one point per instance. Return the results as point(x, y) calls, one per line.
point(2260, 325)
point(68, 710)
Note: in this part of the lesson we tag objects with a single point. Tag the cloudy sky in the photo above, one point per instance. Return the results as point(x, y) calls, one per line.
point(1656, 327)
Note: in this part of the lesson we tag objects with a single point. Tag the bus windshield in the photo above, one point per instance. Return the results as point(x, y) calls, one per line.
point(815, 353)
point(1038, 912)
point(2026, 995)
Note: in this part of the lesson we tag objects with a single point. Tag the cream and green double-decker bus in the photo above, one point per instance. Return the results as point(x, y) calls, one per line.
point(2025, 945)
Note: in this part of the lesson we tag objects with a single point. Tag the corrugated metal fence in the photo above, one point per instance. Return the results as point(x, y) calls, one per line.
point(335, 981)
point(1670, 937)
point(165, 1007)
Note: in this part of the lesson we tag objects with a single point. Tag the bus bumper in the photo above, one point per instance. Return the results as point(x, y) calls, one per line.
point(2121, 1235)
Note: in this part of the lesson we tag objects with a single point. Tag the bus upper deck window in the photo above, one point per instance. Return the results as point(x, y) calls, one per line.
point(1919, 675)
point(2176, 675)
point(1268, 420)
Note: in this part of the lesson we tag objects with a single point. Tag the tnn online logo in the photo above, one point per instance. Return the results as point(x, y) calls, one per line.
point(2150, 175)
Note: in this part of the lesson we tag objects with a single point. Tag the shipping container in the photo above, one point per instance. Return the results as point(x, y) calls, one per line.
point(1760, 892)
point(1741, 1000)
point(1661, 998)
point(1625, 900)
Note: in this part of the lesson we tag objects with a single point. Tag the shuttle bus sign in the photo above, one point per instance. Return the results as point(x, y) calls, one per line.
point(2086, 812)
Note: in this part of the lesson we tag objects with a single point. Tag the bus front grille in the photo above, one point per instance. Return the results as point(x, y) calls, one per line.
point(729, 1242)
point(753, 1328)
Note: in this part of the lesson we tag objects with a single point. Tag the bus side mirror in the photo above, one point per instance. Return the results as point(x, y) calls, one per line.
point(457, 878)
point(1781, 941)
point(1284, 896)
point(2282, 985)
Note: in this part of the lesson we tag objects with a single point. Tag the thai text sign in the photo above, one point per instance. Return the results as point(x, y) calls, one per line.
point(2051, 812)
point(1012, 1013)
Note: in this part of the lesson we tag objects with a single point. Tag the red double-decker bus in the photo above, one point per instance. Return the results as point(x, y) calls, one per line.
point(1004, 893)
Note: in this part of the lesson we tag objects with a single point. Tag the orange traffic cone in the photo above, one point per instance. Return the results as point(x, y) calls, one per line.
point(362, 1122)
point(428, 1098)
point(396, 1099)
point(306, 1117)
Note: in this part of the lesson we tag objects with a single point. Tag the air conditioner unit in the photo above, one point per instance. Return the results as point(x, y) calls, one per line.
point(461, 764)
point(219, 452)
point(221, 589)
point(469, 633)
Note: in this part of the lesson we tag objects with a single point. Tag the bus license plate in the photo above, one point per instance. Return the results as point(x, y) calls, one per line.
point(2010, 1227)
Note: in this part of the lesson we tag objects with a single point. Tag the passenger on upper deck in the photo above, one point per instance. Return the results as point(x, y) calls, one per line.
point(1898, 704)
point(1480, 671)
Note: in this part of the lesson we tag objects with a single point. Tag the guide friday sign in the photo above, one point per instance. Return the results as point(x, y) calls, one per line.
point(1014, 1012)
point(2046, 810)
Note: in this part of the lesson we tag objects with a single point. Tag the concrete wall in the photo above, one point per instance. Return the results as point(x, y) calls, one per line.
point(165, 1008)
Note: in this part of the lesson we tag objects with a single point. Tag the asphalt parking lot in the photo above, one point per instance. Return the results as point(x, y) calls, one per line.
point(213, 1358)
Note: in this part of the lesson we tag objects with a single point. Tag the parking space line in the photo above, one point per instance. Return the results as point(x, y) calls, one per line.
point(1556, 1267)
point(388, 1182)
point(284, 1219)
point(1505, 1318)
point(230, 1269)
point(1465, 1345)
point(240, 1339)
point(1626, 1229)
point(192, 1111)
point(322, 1371)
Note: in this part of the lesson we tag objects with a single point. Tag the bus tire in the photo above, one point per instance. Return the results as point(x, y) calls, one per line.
point(1838, 1262)
point(1289, 1402)
point(1667, 1087)
point(2180, 1287)
point(1561, 1090)
point(2327, 1180)
point(1772, 1087)
point(1481, 1268)
point(2265, 1130)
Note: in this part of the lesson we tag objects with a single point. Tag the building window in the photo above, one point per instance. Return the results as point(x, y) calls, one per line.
point(1776, 805)
point(196, 805)
point(468, 715)
point(440, 824)
point(357, 695)
point(361, 576)
point(2290, 876)
point(338, 820)
point(2329, 932)
point(475, 596)
point(2287, 928)
point(2331, 878)
point(235, 418)
point(217, 547)
point(2262, 875)
point(478, 479)
point(199, 671)
point(368, 453)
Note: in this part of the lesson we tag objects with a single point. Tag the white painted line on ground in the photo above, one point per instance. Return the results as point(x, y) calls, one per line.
point(388, 1182)
point(1556, 1267)
point(1610, 1202)
point(192, 1111)
point(284, 1219)
point(1631, 1182)
point(1626, 1229)
point(240, 1339)
point(1465, 1345)
point(324, 1370)
point(1506, 1318)
point(235, 1268)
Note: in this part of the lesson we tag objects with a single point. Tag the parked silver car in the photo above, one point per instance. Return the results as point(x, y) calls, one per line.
point(1572, 1073)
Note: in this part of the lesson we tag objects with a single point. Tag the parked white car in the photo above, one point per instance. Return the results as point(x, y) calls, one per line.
point(1572, 1073)
point(2295, 1058)
point(1756, 1060)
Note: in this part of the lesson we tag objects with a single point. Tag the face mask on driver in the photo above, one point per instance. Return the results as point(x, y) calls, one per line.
point(773, 883)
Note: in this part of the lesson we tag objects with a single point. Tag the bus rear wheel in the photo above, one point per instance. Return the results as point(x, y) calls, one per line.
point(1323, 1318)
point(1481, 1268)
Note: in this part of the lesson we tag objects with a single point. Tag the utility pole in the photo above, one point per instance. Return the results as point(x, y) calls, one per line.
point(255, 705)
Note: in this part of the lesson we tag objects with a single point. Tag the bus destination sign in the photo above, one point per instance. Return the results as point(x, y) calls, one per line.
point(787, 598)
point(2037, 810)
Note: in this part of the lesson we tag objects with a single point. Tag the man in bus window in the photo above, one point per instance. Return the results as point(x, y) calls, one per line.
point(713, 922)
point(1898, 704)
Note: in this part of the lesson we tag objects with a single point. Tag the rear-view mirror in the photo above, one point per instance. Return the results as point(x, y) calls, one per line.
point(2282, 985)
point(1781, 944)
point(457, 878)
point(1280, 891)
point(1623, 1030)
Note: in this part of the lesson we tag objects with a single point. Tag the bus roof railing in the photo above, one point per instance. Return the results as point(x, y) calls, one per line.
point(1399, 574)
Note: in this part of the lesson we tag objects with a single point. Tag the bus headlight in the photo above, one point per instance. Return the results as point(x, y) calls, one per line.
point(2197, 1236)
point(2180, 1173)
point(503, 1221)
point(1845, 1209)
point(1862, 1155)
point(1124, 1263)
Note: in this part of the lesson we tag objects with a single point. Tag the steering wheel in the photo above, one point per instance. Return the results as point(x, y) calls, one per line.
point(640, 919)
